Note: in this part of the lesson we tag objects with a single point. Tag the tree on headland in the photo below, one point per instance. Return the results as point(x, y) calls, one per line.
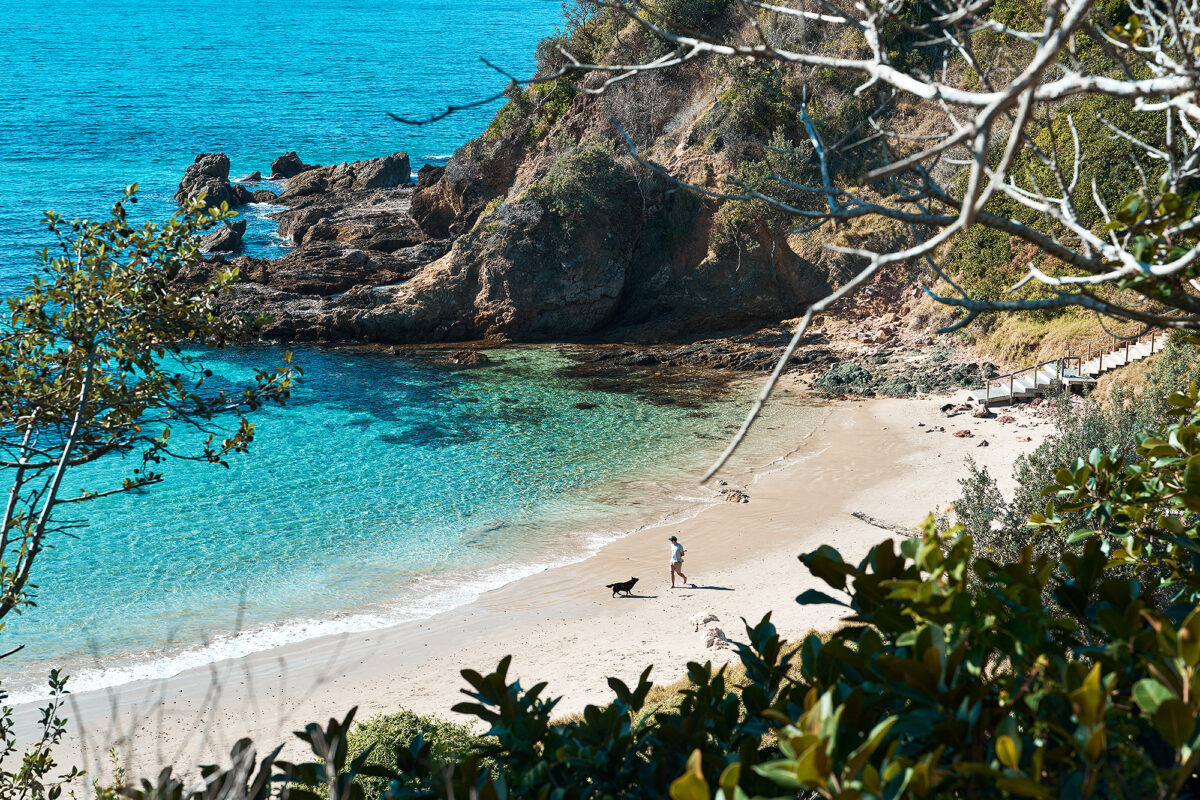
point(101, 359)
point(1070, 127)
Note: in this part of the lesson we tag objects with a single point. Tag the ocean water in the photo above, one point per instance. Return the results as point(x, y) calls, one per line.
point(389, 488)
point(95, 97)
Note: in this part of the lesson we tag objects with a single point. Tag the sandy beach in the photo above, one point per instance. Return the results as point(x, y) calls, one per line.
point(877, 457)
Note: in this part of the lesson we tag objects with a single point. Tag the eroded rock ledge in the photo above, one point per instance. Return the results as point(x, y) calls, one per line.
point(455, 258)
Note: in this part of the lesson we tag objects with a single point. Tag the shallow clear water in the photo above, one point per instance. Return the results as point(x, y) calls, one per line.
point(387, 489)
point(385, 481)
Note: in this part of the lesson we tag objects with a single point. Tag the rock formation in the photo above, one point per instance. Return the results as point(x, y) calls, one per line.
point(225, 239)
point(287, 165)
point(208, 175)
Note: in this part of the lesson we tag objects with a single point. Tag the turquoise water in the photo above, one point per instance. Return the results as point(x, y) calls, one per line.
point(96, 96)
point(389, 488)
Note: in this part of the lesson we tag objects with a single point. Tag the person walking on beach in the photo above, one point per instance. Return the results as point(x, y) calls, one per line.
point(677, 552)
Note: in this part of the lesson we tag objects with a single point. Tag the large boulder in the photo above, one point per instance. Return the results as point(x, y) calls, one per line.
point(288, 165)
point(356, 176)
point(209, 175)
point(225, 239)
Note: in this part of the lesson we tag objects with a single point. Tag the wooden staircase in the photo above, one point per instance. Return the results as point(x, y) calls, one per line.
point(1081, 365)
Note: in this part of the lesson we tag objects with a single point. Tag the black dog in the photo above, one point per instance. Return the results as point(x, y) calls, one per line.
point(623, 586)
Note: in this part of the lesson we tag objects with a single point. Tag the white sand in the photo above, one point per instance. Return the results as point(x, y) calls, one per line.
point(561, 626)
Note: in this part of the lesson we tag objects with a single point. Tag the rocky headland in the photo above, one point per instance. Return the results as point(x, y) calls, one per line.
point(377, 259)
point(546, 228)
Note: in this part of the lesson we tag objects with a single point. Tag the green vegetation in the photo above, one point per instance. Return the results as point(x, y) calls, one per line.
point(92, 368)
point(381, 736)
point(1113, 426)
point(738, 223)
point(584, 180)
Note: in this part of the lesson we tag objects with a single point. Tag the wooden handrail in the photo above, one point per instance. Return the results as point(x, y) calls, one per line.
point(1076, 354)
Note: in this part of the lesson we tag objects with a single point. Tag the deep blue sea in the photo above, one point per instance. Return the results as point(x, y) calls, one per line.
point(388, 488)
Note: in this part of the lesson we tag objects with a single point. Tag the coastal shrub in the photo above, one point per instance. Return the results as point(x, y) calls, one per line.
point(1114, 425)
point(588, 32)
point(679, 16)
point(583, 181)
point(552, 101)
point(737, 221)
point(381, 736)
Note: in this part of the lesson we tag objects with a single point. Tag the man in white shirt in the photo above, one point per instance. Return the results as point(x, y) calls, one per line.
point(677, 552)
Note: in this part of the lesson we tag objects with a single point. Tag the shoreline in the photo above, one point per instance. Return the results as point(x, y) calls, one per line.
point(429, 595)
point(558, 624)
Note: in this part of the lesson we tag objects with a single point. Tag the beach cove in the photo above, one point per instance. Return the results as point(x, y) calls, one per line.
point(877, 457)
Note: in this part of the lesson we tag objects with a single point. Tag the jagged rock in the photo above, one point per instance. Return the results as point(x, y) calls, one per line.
point(470, 358)
point(355, 176)
point(264, 196)
point(253, 177)
point(982, 443)
point(242, 194)
point(208, 175)
point(288, 165)
point(225, 239)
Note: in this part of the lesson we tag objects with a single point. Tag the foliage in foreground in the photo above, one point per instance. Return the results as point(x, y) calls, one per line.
point(94, 368)
point(954, 679)
point(1114, 425)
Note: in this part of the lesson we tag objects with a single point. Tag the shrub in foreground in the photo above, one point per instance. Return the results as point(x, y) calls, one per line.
point(954, 679)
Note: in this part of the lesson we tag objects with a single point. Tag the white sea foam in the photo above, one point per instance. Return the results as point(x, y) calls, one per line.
point(429, 596)
point(435, 158)
point(426, 597)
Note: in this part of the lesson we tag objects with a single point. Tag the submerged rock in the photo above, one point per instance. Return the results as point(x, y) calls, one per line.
point(470, 358)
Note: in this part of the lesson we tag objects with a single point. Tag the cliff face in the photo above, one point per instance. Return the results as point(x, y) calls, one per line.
point(545, 227)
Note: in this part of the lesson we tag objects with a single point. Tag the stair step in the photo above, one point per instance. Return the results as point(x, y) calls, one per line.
point(1031, 383)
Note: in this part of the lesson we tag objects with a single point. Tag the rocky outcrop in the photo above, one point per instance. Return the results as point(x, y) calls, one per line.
point(287, 165)
point(225, 239)
point(209, 175)
point(357, 176)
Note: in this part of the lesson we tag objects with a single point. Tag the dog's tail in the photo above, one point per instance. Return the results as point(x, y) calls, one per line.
point(609, 585)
